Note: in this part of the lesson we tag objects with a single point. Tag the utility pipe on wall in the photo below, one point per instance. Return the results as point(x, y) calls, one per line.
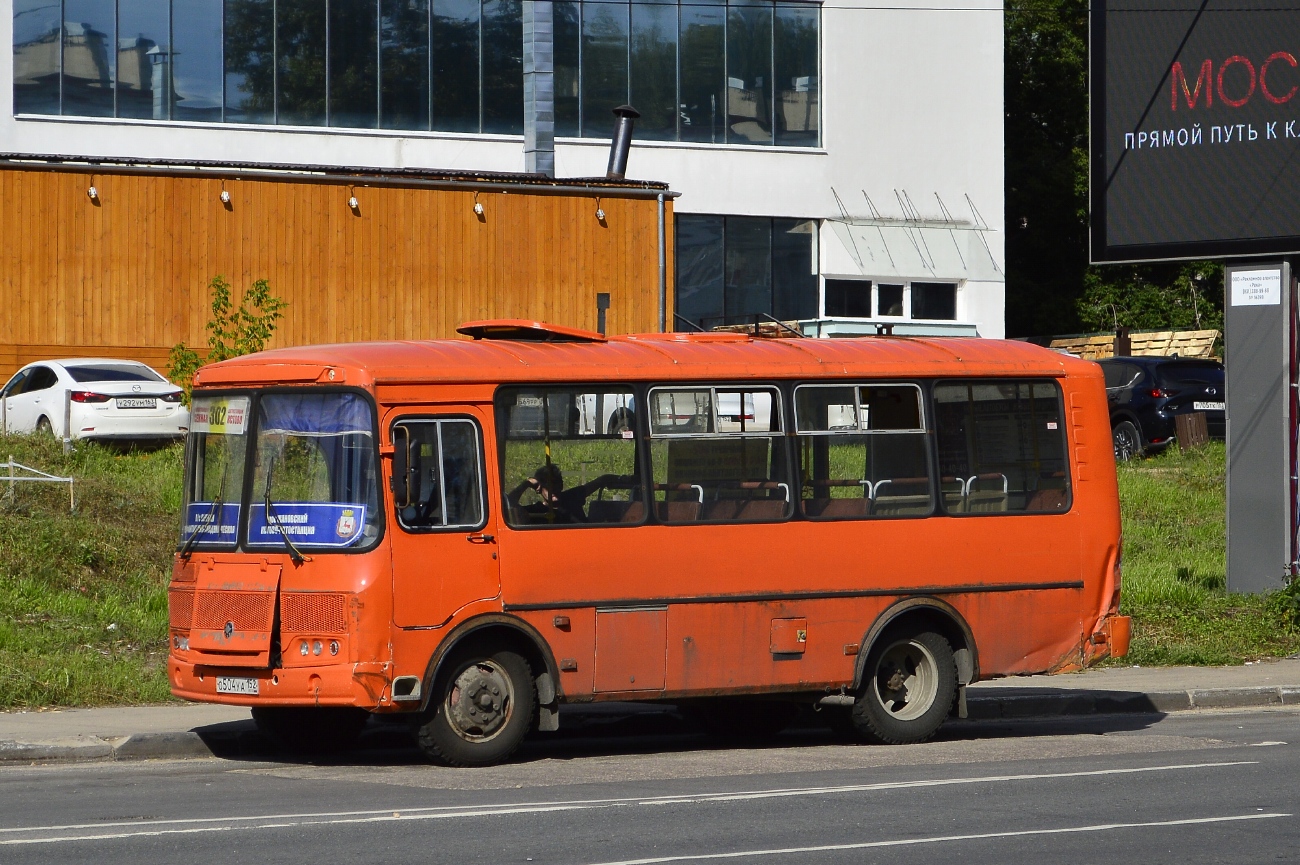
point(663, 268)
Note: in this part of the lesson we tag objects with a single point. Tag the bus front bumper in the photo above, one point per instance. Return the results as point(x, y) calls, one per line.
point(365, 685)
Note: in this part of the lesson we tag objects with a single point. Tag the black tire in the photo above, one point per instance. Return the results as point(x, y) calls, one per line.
point(309, 730)
point(482, 707)
point(620, 420)
point(908, 687)
point(743, 719)
point(1127, 440)
point(44, 427)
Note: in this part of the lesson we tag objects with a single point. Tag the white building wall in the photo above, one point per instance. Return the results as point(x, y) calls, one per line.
point(911, 102)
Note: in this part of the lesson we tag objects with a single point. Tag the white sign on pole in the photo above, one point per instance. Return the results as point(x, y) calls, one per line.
point(1256, 287)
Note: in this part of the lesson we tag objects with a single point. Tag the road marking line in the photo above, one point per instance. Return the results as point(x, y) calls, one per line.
point(904, 842)
point(142, 828)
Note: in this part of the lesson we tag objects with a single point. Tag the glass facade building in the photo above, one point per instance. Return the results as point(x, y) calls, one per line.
point(739, 269)
point(738, 72)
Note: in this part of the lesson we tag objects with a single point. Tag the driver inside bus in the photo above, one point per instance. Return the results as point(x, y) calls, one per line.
point(556, 504)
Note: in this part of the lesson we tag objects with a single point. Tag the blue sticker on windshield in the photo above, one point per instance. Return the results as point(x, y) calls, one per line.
point(211, 523)
point(319, 524)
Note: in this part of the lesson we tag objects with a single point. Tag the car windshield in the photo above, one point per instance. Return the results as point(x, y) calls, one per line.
point(1189, 374)
point(113, 372)
point(314, 479)
point(214, 470)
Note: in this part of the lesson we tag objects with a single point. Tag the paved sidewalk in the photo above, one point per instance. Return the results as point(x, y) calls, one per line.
point(204, 731)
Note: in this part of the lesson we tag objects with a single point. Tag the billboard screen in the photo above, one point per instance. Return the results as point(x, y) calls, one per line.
point(1195, 129)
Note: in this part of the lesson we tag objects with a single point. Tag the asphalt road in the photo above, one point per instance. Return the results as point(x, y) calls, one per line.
point(1187, 788)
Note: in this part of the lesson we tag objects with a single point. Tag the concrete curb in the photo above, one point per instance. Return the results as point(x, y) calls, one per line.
point(984, 703)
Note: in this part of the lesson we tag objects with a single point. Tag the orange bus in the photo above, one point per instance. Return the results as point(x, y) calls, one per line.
point(474, 532)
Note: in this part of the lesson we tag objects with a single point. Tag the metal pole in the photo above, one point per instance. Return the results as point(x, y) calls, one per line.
point(663, 268)
point(67, 421)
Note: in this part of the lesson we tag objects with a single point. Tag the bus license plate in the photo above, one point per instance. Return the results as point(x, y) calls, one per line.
point(1207, 406)
point(136, 402)
point(236, 685)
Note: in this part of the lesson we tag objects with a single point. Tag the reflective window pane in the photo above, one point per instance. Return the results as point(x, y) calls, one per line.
point(749, 268)
point(934, 300)
point(143, 59)
point(404, 64)
point(654, 70)
point(794, 278)
point(796, 75)
point(889, 299)
point(749, 74)
point(850, 298)
point(604, 66)
point(196, 60)
point(456, 65)
point(702, 103)
point(699, 270)
point(503, 67)
point(300, 62)
point(250, 67)
point(568, 33)
point(89, 33)
point(36, 57)
point(353, 64)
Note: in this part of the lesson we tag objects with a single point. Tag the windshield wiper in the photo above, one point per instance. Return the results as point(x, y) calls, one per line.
point(294, 553)
point(217, 501)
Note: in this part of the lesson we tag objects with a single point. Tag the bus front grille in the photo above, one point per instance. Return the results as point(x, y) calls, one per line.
point(313, 613)
point(180, 606)
point(248, 611)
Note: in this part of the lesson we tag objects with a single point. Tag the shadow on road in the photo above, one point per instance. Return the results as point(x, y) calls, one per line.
point(627, 729)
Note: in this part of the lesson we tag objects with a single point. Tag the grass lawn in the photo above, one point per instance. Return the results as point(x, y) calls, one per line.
point(83, 602)
point(1174, 569)
point(83, 595)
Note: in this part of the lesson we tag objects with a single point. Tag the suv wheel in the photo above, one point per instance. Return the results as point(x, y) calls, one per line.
point(1128, 441)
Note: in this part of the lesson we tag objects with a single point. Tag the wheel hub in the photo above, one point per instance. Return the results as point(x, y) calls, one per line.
point(479, 702)
point(906, 680)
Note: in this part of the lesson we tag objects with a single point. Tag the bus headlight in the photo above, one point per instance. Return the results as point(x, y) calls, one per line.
point(334, 647)
point(316, 648)
point(302, 648)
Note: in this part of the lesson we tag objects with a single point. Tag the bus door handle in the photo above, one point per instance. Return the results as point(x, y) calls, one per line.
point(481, 539)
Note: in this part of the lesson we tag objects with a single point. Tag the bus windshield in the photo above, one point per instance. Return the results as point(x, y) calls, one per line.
point(214, 470)
point(314, 478)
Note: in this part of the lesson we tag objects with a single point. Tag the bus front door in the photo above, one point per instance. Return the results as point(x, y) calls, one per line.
point(443, 533)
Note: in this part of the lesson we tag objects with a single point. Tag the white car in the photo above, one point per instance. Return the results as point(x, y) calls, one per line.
point(96, 398)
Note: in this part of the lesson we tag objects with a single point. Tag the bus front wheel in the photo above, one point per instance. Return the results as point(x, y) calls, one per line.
point(908, 687)
point(482, 707)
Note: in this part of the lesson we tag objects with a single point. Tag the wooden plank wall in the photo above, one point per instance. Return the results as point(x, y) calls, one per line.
point(128, 276)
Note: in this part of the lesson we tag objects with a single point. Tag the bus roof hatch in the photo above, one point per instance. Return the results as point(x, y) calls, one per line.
point(526, 331)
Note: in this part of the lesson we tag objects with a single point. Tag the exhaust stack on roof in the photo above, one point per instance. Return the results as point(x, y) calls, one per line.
point(622, 142)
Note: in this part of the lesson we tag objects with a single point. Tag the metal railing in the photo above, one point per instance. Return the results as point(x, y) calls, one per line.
point(13, 478)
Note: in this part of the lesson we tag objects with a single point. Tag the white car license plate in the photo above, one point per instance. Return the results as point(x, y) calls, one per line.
point(136, 402)
point(1207, 406)
point(236, 685)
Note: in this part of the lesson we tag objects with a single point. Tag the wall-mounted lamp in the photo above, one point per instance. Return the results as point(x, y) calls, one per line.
point(600, 211)
point(353, 204)
point(478, 206)
point(93, 193)
point(225, 197)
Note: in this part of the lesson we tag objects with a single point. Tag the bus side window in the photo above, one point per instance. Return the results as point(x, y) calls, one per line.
point(1002, 447)
point(569, 456)
point(442, 485)
point(718, 455)
point(862, 451)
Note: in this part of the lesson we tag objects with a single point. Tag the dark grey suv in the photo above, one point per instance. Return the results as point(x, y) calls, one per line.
point(1147, 393)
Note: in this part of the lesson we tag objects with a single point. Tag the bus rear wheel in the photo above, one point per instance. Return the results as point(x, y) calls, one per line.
point(482, 707)
point(311, 730)
point(908, 687)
